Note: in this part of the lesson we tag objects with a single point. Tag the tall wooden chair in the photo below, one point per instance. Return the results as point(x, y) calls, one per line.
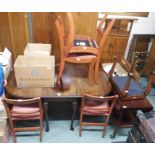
point(24, 109)
point(96, 106)
point(79, 49)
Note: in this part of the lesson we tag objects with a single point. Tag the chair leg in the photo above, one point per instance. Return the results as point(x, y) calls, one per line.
point(91, 71)
point(104, 130)
point(59, 84)
point(96, 72)
point(61, 69)
point(41, 129)
point(80, 128)
point(12, 131)
point(14, 136)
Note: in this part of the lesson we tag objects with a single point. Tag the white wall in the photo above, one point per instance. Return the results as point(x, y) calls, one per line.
point(142, 26)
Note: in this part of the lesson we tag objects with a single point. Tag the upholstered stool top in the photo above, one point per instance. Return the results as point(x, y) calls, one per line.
point(135, 88)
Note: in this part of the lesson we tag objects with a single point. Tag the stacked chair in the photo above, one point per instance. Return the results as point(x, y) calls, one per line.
point(79, 49)
point(23, 110)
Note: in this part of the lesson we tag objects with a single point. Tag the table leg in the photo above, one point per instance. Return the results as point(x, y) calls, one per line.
point(75, 108)
point(46, 116)
point(117, 123)
point(114, 133)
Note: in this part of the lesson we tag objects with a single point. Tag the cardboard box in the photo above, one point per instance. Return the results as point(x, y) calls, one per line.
point(37, 49)
point(34, 71)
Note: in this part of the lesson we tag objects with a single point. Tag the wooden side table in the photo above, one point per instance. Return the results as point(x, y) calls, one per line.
point(124, 113)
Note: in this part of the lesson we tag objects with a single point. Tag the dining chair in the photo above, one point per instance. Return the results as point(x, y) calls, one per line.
point(23, 110)
point(79, 49)
point(96, 106)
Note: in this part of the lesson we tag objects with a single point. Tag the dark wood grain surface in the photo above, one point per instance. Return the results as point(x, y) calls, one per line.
point(75, 81)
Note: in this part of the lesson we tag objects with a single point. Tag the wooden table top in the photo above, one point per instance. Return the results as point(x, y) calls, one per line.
point(74, 75)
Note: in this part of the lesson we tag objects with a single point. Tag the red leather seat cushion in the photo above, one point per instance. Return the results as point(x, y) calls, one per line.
point(82, 56)
point(25, 112)
point(25, 108)
point(96, 108)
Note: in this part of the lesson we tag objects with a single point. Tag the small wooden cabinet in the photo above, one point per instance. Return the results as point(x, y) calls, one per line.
point(117, 40)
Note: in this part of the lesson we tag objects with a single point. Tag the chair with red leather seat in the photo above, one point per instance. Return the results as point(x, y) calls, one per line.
point(96, 106)
point(21, 110)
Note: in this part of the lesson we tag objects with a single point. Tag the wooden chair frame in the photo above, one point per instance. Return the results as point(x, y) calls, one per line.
point(92, 54)
point(131, 74)
point(111, 100)
point(8, 103)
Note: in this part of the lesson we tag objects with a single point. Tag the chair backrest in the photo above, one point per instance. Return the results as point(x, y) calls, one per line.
point(106, 32)
point(110, 100)
point(71, 32)
point(60, 30)
point(69, 37)
point(8, 103)
point(99, 30)
point(104, 39)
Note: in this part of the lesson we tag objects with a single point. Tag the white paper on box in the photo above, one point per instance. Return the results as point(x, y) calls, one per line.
point(7, 54)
